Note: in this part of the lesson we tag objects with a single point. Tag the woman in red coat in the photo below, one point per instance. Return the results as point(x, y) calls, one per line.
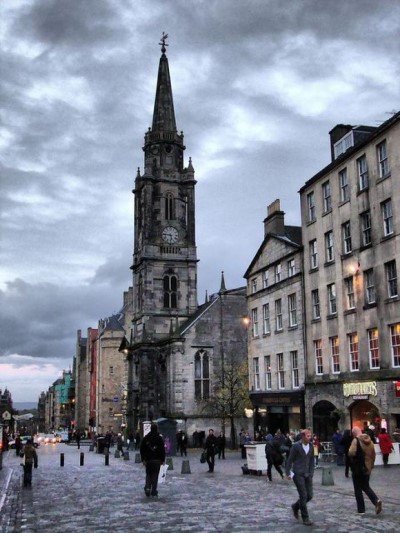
point(386, 445)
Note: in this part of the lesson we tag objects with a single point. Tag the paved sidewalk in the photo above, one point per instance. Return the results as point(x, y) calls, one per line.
point(99, 498)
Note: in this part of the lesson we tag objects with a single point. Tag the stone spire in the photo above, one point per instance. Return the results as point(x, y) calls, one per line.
point(164, 115)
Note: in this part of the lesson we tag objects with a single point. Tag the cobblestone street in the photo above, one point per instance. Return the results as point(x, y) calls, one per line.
point(96, 497)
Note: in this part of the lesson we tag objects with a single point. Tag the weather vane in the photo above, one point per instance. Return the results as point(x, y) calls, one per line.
point(163, 44)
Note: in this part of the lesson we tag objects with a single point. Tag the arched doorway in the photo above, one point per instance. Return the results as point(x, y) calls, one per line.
point(364, 413)
point(325, 420)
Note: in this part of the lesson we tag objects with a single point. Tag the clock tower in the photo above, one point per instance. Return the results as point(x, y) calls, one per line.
point(164, 258)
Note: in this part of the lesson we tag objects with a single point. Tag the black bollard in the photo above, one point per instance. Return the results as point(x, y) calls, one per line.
point(61, 459)
point(107, 459)
point(82, 459)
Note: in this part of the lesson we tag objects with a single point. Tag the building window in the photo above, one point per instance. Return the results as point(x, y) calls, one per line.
point(170, 282)
point(201, 375)
point(256, 373)
point(254, 285)
point(353, 352)
point(278, 315)
point(350, 298)
point(383, 161)
point(292, 306)
point(278, 272)
point(362, 170)
point(326, 196)
point(395, 341)
point(344, 185)
point(254, 320)
point(319, 369)
point(266, 321)
point(265, 279)
point(366, 228)
point(281, 371)
point(334, 341)
point(346, 238)
point(369, 285)
point(391, 278)
point(373, 348)
point(311, 206)
point(268, 375)
point(329, 250)
point(313, 254)
point(169, 207)
point(316, 311)
point(295, 369)
point(332, 298)
point(111, 370)
point(291, 267)
point(387, 217)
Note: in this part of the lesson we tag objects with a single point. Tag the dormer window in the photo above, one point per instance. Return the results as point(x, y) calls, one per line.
point(344, 144)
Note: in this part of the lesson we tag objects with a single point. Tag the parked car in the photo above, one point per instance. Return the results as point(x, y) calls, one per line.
point(62, 436)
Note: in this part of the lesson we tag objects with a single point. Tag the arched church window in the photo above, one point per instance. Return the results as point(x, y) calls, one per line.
point(169, 206)
point(170, 286)
point(201, 375)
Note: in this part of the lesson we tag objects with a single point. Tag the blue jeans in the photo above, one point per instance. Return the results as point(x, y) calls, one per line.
point(305, 489)
point(361, 484)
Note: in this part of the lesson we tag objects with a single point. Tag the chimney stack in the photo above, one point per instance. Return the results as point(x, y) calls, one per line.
point(275, 221)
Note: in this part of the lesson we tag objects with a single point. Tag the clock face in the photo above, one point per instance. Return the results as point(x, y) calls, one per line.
point(170, 234)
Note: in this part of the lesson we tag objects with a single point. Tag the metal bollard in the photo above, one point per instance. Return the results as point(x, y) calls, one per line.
point(91, 448)
point(185, 467)
point(82, 459)
point(327, 476)
point(126, 456)
point(116, 454)
point(169, 462)
point(61, 459)
point(138, 459)
point(106, 459)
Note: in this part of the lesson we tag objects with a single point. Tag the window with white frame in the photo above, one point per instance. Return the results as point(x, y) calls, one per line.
point(278, 315)
point(362, 170)
point(311, 206)
point(295, 369)
point(354, 357)
point(316, 310)
point(373, 348)
point(344, 185)
point(350, 297)
point(281, 371)
point(332, 298)
point(319, 368)
point(268, 374)
point(313, 254)
point(334, 342)
point(254, 322)
point(292, 306)
point(387, 217)
point(395, 343)
point(329, 249)
point(256, 373)
point(391, 278)
point(346, 233)
point(366, 228)
point(201, 375)
point(369, 284)
point(278, 272)
point(383, 161)
point(254, 285)
point(265, 279)
point(291, 267)
point(326, 196)
point(266, 319)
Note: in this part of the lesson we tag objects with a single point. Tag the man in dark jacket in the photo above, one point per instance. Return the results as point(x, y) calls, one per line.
point(210, 447)
point(152, 452)
point(30, 460)
point(274, 457)
point(300, 466)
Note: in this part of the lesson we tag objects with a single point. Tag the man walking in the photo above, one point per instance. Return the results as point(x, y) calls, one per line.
point(300, 467)
point(152, 452)
point(362, 460)
point(210, 447)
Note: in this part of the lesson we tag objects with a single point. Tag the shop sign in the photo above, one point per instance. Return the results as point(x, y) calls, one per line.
point(397, 388)
point(367, 388)
point(360, 397)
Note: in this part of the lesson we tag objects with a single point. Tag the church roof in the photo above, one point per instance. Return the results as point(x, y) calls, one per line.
point(164, 114)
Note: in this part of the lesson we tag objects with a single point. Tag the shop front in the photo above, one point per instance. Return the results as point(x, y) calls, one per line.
point(275, 411)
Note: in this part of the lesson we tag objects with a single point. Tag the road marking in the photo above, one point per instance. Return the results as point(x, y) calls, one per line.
point(3, 498)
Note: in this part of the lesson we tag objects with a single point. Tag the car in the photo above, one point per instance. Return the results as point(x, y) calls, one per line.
point(62, 436)
point(24, 440)
point(50, 439)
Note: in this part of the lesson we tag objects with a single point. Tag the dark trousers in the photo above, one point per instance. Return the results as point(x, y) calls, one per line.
point(385, 457)
point(221, 453)
point(28, 474)
point(243, 449)
point(270, 464)
point(347, 465)
point(305, 489)
point(210, 456)
point(152, 471)
point(361, 484)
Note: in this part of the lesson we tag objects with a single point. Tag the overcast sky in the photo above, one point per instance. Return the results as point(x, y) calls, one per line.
point(257, 86)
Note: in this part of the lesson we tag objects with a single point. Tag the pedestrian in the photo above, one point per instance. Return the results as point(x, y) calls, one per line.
point(137, 440)
point(221, 443)
point(338, 447)
point(386, 445)
point(183, 444)
point(346, 442)
point(362, 460)
point(30, 460)
point(78, 438)
point(152, 452)
point(274, 457)
point(120, 444)
point(18, 444)
point(370, 430)
point(317, 449)
point(210, 447)
point(242, 442)
point(179, 442)
point(300, 468)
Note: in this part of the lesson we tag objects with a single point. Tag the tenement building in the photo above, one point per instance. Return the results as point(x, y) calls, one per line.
point(351, 236)
point(275, 346)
